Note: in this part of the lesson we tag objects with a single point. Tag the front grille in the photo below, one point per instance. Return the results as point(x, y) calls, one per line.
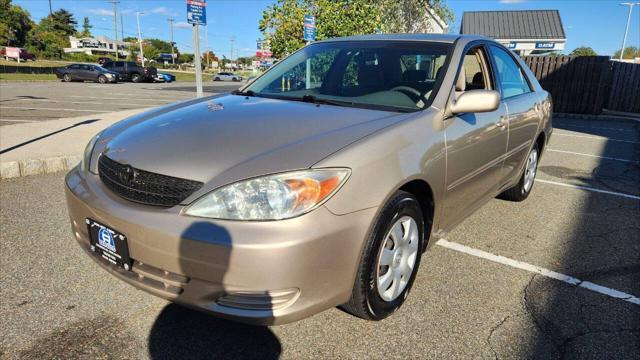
point(143, 186)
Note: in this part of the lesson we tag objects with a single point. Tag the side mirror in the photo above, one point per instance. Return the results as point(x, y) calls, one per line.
point(472, 101)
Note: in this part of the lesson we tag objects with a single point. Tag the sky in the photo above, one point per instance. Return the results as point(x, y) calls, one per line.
point(596, 23)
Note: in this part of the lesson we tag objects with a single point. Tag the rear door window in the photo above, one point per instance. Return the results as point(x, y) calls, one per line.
point(512, 79)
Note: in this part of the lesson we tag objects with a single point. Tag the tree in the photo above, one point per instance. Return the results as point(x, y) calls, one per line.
point(583, 51)
point(630, 52)
point(63, 21)
point(282, 23)
point(15, 23)
point(86, 28)
point(51, 35)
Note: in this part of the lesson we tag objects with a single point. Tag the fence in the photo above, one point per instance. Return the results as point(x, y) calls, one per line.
point(588, 84)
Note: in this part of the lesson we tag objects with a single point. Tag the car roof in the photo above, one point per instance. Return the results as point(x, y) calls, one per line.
point(444, 38)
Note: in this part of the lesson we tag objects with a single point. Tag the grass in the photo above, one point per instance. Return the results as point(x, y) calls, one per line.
point(37, 63)
point(27, 77)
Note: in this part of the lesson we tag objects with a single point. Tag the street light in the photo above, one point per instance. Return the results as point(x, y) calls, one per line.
point(140, 36)
point(626, 29)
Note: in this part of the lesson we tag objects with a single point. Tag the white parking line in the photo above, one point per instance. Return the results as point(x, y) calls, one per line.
point(593, 127)
point(85, 103)
point(541, 271)
point(126, 98)
point(595, 137)
point(61, 109)
point(595, 156)
point(17, 120)
point(588, 188)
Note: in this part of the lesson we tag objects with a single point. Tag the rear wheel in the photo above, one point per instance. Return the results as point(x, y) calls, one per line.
point(390, 260)
point(136, 78)
point(66, 77)
point(102, 79)
point(522, 190)
point(216, 79)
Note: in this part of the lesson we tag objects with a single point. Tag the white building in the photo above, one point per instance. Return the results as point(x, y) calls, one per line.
point(100, 45)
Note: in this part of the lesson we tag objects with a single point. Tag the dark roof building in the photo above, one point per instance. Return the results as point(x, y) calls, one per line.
point(524, 31)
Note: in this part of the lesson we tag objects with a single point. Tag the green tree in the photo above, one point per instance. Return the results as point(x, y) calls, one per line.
point(63, 21)
point(15, 23)
point(583, 51)
point(86, 28)
point(630, 52)
point(282, 23)
point(51, 35)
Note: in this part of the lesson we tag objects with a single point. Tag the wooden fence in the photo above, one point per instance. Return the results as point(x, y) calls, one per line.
point(588, 84)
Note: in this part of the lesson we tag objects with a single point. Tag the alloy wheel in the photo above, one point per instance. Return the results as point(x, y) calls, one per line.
point(530, 170)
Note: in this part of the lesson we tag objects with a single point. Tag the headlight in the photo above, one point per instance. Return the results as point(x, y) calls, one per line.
point(88, 152)
point(110, 75)
point(271, 197)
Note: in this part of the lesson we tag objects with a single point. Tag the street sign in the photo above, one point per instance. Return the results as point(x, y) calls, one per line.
point(545, 45)
point(309, 28)
point(197, 12)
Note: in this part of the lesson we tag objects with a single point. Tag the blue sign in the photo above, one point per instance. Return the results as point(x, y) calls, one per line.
point(512, 45)
point(309, 28)
point(545, 45)
point(165, 56)
point(197, 12)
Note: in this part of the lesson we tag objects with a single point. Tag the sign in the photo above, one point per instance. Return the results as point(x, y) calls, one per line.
point(166, 56)
point(309, 28)
point(512, 45)
point(197, 12)
point(545, 45)
point(264, 53)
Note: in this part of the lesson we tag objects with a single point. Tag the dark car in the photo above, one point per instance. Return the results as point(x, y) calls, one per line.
point(129, 70)
point(104, 60)
point(86, 72)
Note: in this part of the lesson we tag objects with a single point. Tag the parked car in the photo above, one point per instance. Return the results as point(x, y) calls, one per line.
point(226, 76)
point(15, 53)
point(165, 77)
point(129, 70)
point(282, 199)
point(86, 72)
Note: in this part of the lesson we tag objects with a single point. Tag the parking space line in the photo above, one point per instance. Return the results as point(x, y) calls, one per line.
point(595, 137)
point(61, 109)
point(588, 188)
point(538, 270)
point(560, 125)
point(126, 98)
point(17, 120)
point(595, 156)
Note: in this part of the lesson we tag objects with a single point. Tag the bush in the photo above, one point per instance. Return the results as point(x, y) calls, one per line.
point(81, 57)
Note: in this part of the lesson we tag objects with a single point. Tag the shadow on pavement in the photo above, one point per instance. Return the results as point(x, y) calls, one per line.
point(85, 122)
point(604, 248)
point(181, 333)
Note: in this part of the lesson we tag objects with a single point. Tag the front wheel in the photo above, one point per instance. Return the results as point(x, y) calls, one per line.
point(102, 79)
point(136, 78)
point(390, 260)
point(522, 190)
point(66, 78)
point(216, 79)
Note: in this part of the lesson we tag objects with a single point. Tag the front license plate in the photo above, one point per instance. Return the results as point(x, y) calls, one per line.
point(109, 244)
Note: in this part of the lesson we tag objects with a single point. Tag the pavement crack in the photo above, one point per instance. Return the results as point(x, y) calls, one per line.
point(493, 329)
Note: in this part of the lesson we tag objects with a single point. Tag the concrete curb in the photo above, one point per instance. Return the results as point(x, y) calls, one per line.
point(14, 169)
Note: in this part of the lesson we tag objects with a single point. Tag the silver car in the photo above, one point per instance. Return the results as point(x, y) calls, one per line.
point(319, 184)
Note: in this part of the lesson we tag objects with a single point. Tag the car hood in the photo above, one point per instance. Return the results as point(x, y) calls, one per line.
point(231, 137)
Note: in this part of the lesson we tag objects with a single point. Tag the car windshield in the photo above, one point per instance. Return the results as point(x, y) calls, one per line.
point(100, 68)
point(386, 75)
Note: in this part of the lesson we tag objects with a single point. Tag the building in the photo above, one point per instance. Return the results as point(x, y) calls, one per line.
point(526, 32)
point(100, 45)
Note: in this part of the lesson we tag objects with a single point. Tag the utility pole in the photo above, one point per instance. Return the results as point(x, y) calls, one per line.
point(50, 11)
point(626, 29)
point(196, 59)
point(173, 60)
point(121, 27)
point(140, 37)
point(232, 40)
point(115, 25)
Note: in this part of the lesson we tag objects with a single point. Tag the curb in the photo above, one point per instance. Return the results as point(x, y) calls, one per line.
point(14, 169)
point(603, 116)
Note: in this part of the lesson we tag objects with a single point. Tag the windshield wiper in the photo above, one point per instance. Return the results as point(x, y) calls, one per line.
point(244, 93)
point(316, 100)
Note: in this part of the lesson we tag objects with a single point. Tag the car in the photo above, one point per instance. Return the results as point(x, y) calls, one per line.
point(226, 76)
point(103, 60)
point(129, 70)
point(165, 77)
point(86, 72)
point(306, 190)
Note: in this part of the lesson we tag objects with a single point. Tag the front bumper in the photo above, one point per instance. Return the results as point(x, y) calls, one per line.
point(256, 272)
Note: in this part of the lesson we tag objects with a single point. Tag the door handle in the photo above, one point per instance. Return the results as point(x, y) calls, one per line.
point(501, 123)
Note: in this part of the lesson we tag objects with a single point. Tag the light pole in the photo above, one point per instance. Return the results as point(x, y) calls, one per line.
point(115, 26)
point(173, 60)
point(626, 29)
point(140, 37)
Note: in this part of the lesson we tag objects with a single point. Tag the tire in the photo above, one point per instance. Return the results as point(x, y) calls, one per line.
point(372, 297)
point(216, 79)
point(522, 190)
point(234, 79)
point(102, 79)
point(136, 78)
point(66, 78)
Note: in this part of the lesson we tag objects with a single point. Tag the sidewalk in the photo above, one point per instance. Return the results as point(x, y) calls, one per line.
point(50, 146)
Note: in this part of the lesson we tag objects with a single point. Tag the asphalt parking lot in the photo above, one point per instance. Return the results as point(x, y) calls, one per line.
point(40, 101)
point(556, 276)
